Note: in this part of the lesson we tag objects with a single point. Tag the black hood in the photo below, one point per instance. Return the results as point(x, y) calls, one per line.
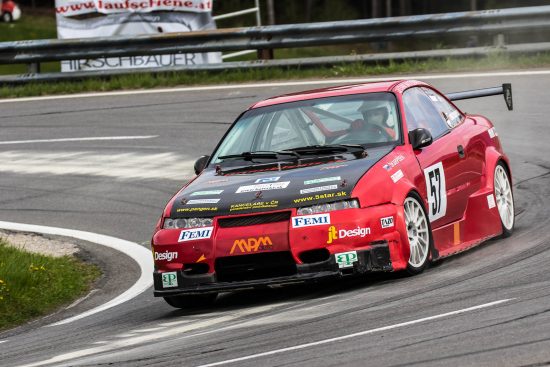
point(213, 194)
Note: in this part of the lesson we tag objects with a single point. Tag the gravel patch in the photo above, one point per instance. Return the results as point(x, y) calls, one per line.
point(38, 244)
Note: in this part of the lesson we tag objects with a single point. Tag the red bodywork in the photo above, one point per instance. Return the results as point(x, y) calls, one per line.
point(10, 7)
point(468, 221)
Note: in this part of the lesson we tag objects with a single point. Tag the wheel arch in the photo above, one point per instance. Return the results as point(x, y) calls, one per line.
point(492, 158)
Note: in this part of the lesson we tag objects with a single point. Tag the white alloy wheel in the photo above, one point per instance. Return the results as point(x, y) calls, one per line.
point(418, 233)
point(504, 198)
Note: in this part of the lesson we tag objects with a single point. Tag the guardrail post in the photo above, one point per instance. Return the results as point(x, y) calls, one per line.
point(265, 54)
point(33, 68)
point(498, 41)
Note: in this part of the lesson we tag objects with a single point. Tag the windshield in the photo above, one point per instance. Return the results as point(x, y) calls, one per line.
point(366, 119)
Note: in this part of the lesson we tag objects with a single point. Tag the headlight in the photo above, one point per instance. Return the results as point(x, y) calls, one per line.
point(322, 208)
point(170, 223)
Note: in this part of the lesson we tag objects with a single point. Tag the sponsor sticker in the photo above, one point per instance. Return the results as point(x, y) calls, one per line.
point(263, 187)
point(220, 180)
point(346, 259)
point(195, 234)
point(492, 132)
point(267, 179)
point(328, 195)
point(334, 234)
point(203, 209)
point(394, 162)
point(437, 191)
point(397, 176)
point(491, 201)
point(205, 193)
point(310, 220)
point(169, 280)
point(253, 244)
point(202, 201)
point(255, 205)
point(166, 256)
point(386, 222)
point(453, 115)
point(320, 180)
point(319, 188)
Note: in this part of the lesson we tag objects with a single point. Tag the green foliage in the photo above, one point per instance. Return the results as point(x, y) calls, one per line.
point(33, 285)
point(29, 27)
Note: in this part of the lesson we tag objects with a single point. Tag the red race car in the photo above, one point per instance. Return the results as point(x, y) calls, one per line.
point(334, 182)
point(10, 11)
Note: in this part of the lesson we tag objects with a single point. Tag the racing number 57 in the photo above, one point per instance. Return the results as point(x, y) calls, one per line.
point(436, 190)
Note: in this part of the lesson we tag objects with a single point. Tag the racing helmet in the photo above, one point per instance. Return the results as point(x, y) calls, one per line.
point(377, 113)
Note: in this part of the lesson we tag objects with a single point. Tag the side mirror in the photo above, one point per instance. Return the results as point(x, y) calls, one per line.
point(200, 164)
point(420, 138)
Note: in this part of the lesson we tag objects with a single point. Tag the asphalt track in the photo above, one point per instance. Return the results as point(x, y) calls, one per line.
point(489, 306)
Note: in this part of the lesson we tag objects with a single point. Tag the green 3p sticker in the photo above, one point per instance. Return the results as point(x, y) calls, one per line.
point(346, 259)
point(169, 280)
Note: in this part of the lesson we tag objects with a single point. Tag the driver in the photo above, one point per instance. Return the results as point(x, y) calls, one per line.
point(376, 113)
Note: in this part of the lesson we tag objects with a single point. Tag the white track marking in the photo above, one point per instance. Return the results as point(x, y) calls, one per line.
point(120, 165)
point(280, 84)
point(168, 332)
point(354, 335)
point(78, 139)
point(149, 330)
point(125, 336)
point(78, 301)
point(140, 254)
point(119, 344)
point(3, 341)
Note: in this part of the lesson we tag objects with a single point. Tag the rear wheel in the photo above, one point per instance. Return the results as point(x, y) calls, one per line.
point(419, 234)
point(504, 199)
point(191, 300)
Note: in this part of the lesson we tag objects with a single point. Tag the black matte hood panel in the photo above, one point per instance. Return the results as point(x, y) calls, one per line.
point(213, 194)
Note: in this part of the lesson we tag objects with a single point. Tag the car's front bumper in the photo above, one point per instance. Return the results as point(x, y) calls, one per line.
point(376, 258)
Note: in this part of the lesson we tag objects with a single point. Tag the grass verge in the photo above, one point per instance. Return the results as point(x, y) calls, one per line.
point(33, 285)
point(497, 61)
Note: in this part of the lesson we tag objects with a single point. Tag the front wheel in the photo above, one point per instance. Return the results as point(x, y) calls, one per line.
point(504, 199)
point(6, 17)
point(419, 234)
point(190, 301)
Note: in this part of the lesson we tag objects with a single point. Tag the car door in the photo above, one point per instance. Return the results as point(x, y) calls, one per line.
point(440, 161)
point(471, 147)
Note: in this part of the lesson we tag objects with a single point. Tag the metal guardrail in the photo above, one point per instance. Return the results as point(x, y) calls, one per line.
point(521, 49)
point(488, 23)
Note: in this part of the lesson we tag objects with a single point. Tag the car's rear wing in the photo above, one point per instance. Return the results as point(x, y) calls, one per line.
point(506, 90)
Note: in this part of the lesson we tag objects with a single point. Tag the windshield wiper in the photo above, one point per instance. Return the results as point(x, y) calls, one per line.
point(334, 148)
point(248, 156)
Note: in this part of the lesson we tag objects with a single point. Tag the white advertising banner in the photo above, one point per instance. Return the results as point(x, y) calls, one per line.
point(69, 8)
point(105, 18)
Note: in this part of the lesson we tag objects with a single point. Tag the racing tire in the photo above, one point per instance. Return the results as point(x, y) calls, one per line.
point(190, 301)
point(7, 17)
point(419, 233)
point(504, 198)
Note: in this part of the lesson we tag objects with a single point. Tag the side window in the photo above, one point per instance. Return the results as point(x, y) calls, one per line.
point(446, 110)
point(420, 111)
